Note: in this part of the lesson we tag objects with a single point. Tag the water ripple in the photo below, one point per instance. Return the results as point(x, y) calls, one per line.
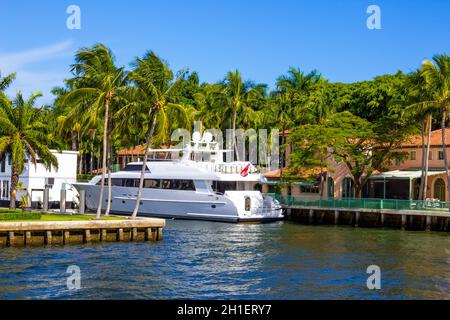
point(199, 260)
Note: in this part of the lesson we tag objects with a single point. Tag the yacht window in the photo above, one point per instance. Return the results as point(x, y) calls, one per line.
point(187, 185)
point(222, 186)
point(178, 184)
point(166, 184)
point(131, 182)
point(175, 184)
point(116, 182)
point(134, 167)
point(151, 183)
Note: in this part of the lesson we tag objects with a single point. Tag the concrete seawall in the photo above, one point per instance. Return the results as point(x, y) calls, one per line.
point(65, 232)
point(402, 219)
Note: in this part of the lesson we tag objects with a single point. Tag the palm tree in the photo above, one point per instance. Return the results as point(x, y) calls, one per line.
point(240, 97)
point(296, 82)
point(156, 92)
point(99, 86)
point(292, 97)
point(437, 77)
point(23, 134)
point(422, 111)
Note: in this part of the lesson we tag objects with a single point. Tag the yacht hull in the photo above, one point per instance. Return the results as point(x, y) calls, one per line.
point(174, 204)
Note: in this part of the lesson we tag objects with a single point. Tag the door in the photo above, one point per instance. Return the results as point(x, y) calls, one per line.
point(439, 189)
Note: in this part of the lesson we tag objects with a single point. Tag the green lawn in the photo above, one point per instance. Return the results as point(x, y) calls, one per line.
point(20, 216)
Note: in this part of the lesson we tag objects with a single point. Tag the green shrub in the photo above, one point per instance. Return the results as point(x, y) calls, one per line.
point(84, 177)
point(19, 215)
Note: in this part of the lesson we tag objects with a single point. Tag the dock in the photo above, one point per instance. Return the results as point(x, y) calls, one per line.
point(71, 232)
point(367, 212)
point(361, 217)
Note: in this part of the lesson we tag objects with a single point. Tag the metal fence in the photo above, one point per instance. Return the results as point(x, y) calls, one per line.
point(363, 203)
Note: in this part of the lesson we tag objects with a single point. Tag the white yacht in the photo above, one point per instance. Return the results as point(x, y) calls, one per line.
point(198, 185)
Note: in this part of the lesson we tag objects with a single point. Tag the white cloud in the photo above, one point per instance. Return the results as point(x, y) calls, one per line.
point(29, 80)
point(17, 60)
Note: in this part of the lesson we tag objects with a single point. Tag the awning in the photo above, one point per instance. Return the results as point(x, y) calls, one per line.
point(399, 174)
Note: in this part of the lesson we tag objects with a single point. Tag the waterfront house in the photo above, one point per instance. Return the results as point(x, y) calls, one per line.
point(401, 180)
point(35, 178)
point(403, 177)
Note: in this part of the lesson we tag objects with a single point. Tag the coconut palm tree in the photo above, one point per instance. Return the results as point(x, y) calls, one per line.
point(22, 135)
point(296, 82)
point(241, 98)
point(420, 110)
point(156, 93)
point(99, 87)
point(437, 76)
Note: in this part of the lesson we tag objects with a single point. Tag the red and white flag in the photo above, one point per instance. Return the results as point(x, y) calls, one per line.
point(244, 171)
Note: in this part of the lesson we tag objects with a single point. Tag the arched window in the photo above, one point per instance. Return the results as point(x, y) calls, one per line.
point(348, 190)
point(439, 189)
point(330, 187)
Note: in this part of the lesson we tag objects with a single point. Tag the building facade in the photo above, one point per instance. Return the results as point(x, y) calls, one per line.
point(35, 178)
point(401, 180)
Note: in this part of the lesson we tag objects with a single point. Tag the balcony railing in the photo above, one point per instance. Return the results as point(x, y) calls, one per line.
point(363, 203)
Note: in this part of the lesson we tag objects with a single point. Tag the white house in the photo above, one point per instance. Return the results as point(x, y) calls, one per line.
point(35, 178)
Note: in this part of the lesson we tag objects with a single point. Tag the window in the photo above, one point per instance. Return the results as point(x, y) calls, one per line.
point(222, 186)
point(248, 203)
point(347, 188)
point(49, 182)
point(117, 182)
point(9, 160)
point(178, 184)
point(131, 182)
point(413, 155)
point(151, 183)
point(3, 164)
point(309, 188)
point(440, 155)
point(330, 187)
point(166, 184)
point(187, 185)
point(5, 189)
point(430, 155)
point(134, 167)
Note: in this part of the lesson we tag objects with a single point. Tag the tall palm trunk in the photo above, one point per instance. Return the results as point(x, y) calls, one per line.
point(91, 162)
point(234, 147)
point(282, 151)
point(425, 183)
point(14, 184)
point(444, 150)
point(422, 176)
point(104, 156)
point(80, 163)
point(110, 156)
point(74, 140)
point(92, 159)
point(152, 117)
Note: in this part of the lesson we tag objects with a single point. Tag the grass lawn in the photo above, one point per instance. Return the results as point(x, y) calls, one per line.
point(33, 216)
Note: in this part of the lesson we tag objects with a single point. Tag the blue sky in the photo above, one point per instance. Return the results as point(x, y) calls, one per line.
point(260, 38)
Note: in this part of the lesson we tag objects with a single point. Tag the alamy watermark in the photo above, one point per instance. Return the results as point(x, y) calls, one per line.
point(374, 280)
point(73, 281)
point(256, 146)
point(374, 20)
point(73, 21)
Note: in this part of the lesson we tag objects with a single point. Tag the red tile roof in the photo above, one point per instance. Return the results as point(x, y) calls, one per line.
point(436, 139)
